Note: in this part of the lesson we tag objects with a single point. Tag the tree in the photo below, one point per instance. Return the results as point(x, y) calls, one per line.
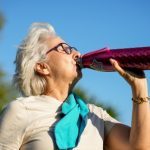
point(7, 92)
point(93, 100)
point(1, 21)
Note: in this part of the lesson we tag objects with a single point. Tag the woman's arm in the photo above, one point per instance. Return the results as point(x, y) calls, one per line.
point(137, 137)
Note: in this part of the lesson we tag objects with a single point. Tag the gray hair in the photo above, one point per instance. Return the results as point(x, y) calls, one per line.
point(32, 50)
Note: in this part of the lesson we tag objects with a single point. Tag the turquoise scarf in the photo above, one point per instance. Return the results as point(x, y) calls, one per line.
point(68, 130)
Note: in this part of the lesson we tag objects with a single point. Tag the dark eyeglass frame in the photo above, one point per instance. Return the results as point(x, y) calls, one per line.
point(68, 50)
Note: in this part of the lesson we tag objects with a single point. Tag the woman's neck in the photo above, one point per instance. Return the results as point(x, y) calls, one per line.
point(59, 91)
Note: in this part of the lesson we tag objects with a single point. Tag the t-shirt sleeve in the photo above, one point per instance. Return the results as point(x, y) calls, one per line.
point(13, 120)
point(109, 122)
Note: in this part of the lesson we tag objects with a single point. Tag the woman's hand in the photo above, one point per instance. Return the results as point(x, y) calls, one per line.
point(135, 78)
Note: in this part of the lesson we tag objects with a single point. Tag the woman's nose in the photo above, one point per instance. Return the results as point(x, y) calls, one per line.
point(76, 55)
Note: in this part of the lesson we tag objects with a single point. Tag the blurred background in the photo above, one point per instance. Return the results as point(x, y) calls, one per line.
point(86, 25)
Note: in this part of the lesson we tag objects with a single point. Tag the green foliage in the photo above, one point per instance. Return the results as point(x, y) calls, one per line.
point(1, 21)
point(7, 92)
point(93, 100)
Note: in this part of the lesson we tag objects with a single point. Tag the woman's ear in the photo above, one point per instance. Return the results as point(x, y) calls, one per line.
point(42, 68)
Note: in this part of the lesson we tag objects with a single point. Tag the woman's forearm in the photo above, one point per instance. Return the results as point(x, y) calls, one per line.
point(140, 130)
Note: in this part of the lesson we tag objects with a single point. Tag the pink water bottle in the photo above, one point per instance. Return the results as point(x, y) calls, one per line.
point(128, 58)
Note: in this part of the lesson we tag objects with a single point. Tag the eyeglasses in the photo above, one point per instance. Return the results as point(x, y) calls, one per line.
point(63, 47)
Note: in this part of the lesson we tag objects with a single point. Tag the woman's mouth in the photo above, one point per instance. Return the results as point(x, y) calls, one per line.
point(78, 67)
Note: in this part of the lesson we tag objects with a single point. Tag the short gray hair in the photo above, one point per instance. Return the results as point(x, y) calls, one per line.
point(32, 50)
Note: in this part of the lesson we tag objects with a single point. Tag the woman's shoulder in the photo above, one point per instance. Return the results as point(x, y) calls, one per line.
point(100, 113)
point(14, 114)
point(32, 104)
point(15, 106)
point(20, 103)
point(95, 108)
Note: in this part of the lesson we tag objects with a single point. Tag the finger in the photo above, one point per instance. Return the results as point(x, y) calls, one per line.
point(121, 71)
point(117, 67)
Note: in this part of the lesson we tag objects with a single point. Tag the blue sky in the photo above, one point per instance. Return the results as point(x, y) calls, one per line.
point(87, 25)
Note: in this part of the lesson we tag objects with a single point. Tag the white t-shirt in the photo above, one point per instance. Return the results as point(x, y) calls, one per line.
point(28, 123)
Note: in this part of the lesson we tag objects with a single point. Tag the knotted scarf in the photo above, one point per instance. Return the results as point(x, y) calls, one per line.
point(68, 130)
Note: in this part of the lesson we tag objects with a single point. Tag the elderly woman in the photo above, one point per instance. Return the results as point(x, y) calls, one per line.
point(49, 116)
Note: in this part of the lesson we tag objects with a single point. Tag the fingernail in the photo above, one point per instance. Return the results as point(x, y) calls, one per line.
point(112, 60)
